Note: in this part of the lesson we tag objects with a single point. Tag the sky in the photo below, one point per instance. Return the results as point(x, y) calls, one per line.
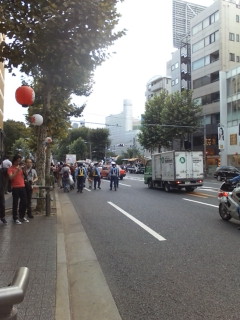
point(139, 55)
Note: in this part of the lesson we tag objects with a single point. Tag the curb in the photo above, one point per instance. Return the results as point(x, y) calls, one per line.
point(82, 290)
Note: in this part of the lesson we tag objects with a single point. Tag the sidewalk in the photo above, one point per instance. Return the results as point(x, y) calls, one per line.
point(66, 280)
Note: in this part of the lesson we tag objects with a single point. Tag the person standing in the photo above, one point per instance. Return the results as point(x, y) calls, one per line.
point(81, 177)
point(90, 175)
point(96, 176)
point(114, 173)
point(15, 173)
point(3, 178)
point(31, 177)
point(7, 185)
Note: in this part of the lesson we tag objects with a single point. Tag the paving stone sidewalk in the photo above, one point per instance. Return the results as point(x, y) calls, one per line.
point(32, 245)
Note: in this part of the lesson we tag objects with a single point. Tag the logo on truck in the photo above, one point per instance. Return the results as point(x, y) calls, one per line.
point(182, 160)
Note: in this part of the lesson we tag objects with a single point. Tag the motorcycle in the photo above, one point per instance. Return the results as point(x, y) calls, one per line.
point(229, 201)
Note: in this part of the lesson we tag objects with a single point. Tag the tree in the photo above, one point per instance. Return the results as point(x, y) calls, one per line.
point(151, 135)
point(59, 43)
point(13, 131)
point(182, 115)
point(79, 148)
point(169, 117)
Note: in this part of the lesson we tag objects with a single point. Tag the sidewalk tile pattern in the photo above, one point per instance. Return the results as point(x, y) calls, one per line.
point(32, 245)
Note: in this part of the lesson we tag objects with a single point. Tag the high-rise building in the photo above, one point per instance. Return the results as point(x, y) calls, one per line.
point(1, 104)
point(182, 13)
point(215, 47)
point(122, 133)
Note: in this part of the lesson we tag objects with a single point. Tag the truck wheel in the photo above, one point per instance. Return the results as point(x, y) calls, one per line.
point(167, 187)
point(223, 211)
point(189, 189)
point(150, 184)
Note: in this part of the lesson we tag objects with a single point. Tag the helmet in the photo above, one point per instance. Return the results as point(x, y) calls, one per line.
point(112, 163)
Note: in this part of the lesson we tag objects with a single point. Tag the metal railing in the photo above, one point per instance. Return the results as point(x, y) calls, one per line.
point(13, 294)
point(47, 197)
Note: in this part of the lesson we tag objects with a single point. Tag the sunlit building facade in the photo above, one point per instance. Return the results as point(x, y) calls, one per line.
point(1, 104)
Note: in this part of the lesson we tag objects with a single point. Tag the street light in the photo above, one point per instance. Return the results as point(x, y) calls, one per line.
point(90, 149)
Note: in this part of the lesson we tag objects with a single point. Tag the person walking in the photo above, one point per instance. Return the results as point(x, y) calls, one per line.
point(114, 174)
point(31, 177)
point(96, 176)
point(3, 179)
point(81, 175)
point(90, 175)
point(15, 173)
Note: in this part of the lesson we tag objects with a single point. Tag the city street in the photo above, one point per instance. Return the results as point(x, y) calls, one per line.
point(164, 255)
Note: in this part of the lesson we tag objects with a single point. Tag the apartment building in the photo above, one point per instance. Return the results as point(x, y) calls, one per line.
point(215, 47)
point(1, 103)
point(156, 84)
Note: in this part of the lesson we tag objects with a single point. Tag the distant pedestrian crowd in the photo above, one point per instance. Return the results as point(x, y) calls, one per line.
point(81, 175)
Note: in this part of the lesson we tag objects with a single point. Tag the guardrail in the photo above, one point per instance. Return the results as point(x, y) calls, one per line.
point(13, 294)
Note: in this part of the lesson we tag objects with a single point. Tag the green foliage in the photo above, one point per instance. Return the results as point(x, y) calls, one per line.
point(95, 142)
point(168, 117)
point(151, 135)
point(13, 131)
point(60, 41)
point(79, 148)
point(21, 146)
point(131, 153)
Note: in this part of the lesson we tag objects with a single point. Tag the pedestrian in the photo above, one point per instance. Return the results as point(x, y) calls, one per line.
point(3, 178)
point(90, 175)
point(114, 174)
point(81, 175)
point(7, 184)
point(65, 174)
point(31, 177)
point(96, 176)
point(15, 173)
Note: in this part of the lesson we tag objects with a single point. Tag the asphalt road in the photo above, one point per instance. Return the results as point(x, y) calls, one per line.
point(165, 256)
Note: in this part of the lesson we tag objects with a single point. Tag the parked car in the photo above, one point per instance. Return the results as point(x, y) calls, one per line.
point(136, 168)
point(226, 172)
point(105, 172)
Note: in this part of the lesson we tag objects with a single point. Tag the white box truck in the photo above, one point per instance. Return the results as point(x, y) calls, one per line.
point(175, 170)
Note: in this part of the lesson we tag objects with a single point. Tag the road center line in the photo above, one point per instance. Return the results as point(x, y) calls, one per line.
point(142, 225)
point(206, 204)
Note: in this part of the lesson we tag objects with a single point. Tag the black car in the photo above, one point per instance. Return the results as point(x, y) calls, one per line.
point(226, 172)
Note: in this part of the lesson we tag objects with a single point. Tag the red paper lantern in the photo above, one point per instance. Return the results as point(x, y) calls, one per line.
point(25, 96)
point(36, 120)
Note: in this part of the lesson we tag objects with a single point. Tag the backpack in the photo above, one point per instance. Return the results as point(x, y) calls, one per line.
point(81, 172)
point(65, 174)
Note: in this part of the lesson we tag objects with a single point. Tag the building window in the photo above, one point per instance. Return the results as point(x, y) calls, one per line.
point(237, 37)
point(205, 60)
point(231, 36)
point(172, 67)
point(205, 23)
point(176, 81)
point(173, 83)
point(176, 65)
point(237, 59)
point(233, 139)
point(210, 78)
point(237, 18)
point(231, 56)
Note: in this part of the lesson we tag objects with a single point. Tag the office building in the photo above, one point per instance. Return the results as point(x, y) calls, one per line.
point(215, 47)
point(1, 104)
point(123, 129)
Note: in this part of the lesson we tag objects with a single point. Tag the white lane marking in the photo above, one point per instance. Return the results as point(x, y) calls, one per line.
point(123, 184)
point(87, 189)
point(142, 225)
point(206, 204)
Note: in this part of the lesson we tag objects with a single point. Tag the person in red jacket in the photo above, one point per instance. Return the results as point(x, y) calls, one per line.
point(16, 176)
